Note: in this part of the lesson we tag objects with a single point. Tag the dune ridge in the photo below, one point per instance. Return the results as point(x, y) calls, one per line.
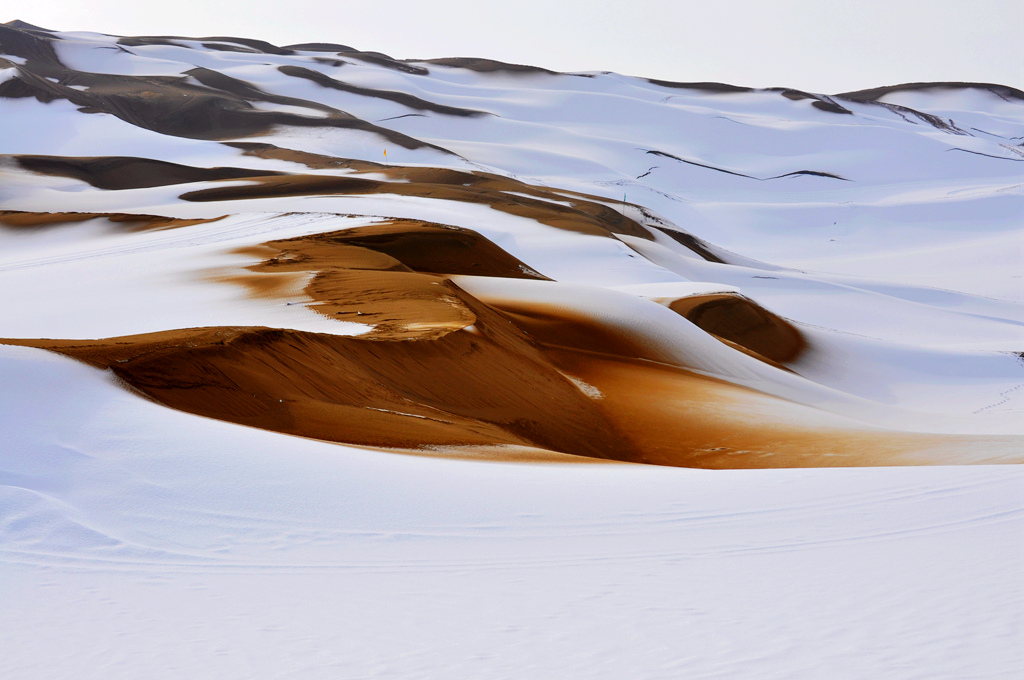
point(490, 387)
point(441, 370)
point(319, 362)
point(23, 219)
point(522, 259)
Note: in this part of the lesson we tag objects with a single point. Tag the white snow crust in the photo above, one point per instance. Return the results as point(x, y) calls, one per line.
point(138, 541)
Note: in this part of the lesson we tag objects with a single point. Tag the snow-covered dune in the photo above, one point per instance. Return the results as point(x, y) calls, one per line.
point(266, 309)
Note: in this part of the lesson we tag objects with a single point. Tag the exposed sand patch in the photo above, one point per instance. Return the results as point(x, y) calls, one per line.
point(386, 275)
point(129, 222)
point(267, 285)
point(676, 417)
point(742, 322)
point(403, 98)
point(583, 215)
point(484, 391)
point(421, 246)
point(873, 94)
point(722, 88)
point(123, 172)
point(732, 319)
point(490, 66)
point(309, 159)
point(490, 387)
point(443, 373)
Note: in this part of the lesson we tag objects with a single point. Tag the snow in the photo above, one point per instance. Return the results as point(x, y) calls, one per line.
point(148, 538)
point(33, 128)
point(125, 283)
point(953, 265)
point(140, 541)
point(95, 56)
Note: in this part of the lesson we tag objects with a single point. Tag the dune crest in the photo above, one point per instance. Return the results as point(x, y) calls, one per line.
point(441, 370)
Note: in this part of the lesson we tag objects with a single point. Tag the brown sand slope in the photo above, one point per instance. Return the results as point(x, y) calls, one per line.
point(581, 215)
point(492, 386)
point(199, 104)
point(741, 321)
point(678, 418)
point(442, 369)
point(130, 222)
point(125, 172)
point(489, 386)
point(383, 275)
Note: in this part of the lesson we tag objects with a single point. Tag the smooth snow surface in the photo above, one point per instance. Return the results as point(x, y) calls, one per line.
point(148, 540)
point(140, 541)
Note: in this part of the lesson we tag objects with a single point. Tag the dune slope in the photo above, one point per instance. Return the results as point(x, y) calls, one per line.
point(513, 196)
point(303, 348)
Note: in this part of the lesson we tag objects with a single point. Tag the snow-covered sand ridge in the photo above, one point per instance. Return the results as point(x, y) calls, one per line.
point(466, 260)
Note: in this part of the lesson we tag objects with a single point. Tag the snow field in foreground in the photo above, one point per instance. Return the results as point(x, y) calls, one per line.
point(154, 542)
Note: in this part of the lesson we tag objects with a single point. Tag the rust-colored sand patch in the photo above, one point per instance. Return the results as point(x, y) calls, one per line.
point(485, 387)
point(388, 275)
point(362, 284)
point(741, 321)
point(397, 304)
point(125, 172)
point(18, 218)
point(500, 193)
point(432, 248)
point(267, 285)
point(679, 418)
point(442, 373)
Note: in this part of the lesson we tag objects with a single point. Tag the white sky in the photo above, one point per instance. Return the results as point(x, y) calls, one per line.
point(819, 45)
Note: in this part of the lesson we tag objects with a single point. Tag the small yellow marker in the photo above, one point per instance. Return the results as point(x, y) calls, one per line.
point(385, 156)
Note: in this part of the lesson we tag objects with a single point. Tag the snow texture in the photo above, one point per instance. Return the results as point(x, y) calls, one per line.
point(139, 541)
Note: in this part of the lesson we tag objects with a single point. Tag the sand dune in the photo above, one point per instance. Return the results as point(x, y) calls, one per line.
point(317, 362)
point(583, 216)
point(876, 93)
point(491, 385)
point(482, 275)
point(17, 218)
point(745, 323)
point(440, 369)
point(118, 173)
point(485, 387)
